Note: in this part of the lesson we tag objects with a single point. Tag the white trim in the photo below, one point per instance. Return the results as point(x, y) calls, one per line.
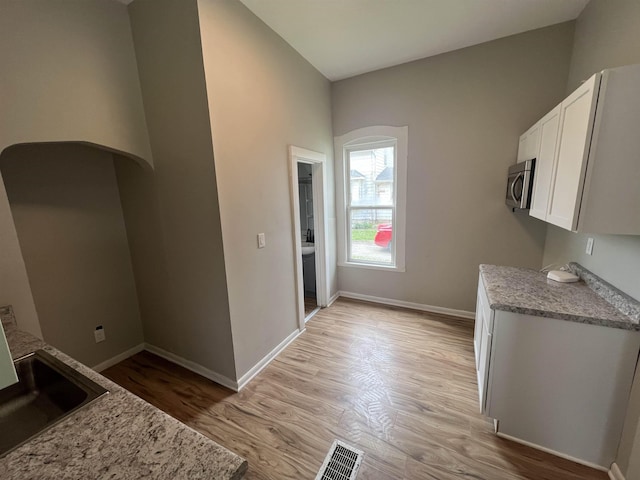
point(372, 266)
point(615, 473)
point(118, 358)
point(319, 187)
point(257, 368)
point(414, 306)
point(360, 138)
point(333, 298)
point(318, 162)
point(194, 367)
point(303, 153)
point(311, 314)
point(214, 376)
point(553, 452)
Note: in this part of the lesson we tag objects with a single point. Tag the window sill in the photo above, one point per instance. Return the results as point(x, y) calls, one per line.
point(368, 266)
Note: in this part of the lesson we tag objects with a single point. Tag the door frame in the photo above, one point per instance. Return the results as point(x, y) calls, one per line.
point(318, 162)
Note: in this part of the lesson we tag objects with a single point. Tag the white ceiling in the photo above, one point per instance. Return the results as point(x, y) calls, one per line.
point(342, 38)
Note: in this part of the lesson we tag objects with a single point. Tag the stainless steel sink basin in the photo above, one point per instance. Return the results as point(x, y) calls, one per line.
point(47, 391)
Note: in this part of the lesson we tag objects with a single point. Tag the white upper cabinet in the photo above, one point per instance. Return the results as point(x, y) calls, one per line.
point(576, 125)
point(543, 173)
point(588, 162)
point(528, 146)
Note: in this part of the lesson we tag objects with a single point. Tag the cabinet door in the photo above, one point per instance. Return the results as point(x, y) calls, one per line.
point(485, 355)
point(576, 125)
point(547, 389)
point(545, 159)
point(528, 145)
point(522, 147)
point(483, 337)
point(477, 335)
point(533, 142)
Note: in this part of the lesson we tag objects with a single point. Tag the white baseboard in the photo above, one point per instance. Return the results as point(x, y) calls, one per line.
point(194, 367)
point(414, 306)
point(615, 473)
point(553, 452)
point(257, 368)
point(215, 376)
point(333, 298)
point(118, 358)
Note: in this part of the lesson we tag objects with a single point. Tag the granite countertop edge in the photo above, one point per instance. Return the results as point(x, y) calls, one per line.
point(617, 310)
point(565, 316)
point(118, 436)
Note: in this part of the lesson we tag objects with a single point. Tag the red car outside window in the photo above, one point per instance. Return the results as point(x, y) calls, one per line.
point(383, 235)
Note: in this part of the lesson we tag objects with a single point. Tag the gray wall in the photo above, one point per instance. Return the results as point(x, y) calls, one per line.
point(173, 216)
point(68, 74)
point(66, 206)
point(607, 35)
point(262, 96)
point(465, 111)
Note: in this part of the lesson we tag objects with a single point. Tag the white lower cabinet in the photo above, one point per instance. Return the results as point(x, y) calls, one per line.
point(557, 385)
point(482, 343)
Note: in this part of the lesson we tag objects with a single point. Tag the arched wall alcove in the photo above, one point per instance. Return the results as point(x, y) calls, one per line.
point(63, 224)
point(146, 164)
point(69, 74)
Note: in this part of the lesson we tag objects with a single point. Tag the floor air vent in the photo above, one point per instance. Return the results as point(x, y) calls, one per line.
point(342, 463)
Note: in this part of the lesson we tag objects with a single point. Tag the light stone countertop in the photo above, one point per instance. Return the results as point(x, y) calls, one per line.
point(119, 436)
point(529, 292)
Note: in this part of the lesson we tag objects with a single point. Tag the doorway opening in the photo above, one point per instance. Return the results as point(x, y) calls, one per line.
point(307, 171)
point(307, 236)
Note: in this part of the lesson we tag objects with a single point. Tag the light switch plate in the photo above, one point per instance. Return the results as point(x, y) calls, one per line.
point(261, 240)
point(590, 246)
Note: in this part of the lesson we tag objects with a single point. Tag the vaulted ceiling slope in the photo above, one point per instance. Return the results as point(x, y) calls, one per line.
point(343, 38)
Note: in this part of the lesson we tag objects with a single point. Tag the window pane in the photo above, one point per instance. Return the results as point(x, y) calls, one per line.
point(371, 176)
point(371, 236)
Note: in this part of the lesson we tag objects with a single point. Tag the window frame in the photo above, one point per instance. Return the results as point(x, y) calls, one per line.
point(363, 139)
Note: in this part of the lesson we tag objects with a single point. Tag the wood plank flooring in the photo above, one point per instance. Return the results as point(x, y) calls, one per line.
point(310, 304)
point(396, 383)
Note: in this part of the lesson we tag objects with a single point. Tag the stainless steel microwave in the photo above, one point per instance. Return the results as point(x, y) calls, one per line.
point(520, 184)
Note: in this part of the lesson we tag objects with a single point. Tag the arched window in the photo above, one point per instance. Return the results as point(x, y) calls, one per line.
point(371, 166)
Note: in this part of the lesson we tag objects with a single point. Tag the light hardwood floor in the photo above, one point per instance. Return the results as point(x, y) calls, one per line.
point(310, 304)
point(396, 383)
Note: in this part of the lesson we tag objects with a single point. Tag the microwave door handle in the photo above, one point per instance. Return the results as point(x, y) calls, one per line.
point(513, 184)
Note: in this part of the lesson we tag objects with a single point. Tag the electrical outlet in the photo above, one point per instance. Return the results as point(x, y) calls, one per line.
point(589, 249)
point(99, 334)
point(261, 240)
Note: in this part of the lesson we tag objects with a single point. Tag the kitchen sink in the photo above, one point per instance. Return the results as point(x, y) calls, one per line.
point(47, 391)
